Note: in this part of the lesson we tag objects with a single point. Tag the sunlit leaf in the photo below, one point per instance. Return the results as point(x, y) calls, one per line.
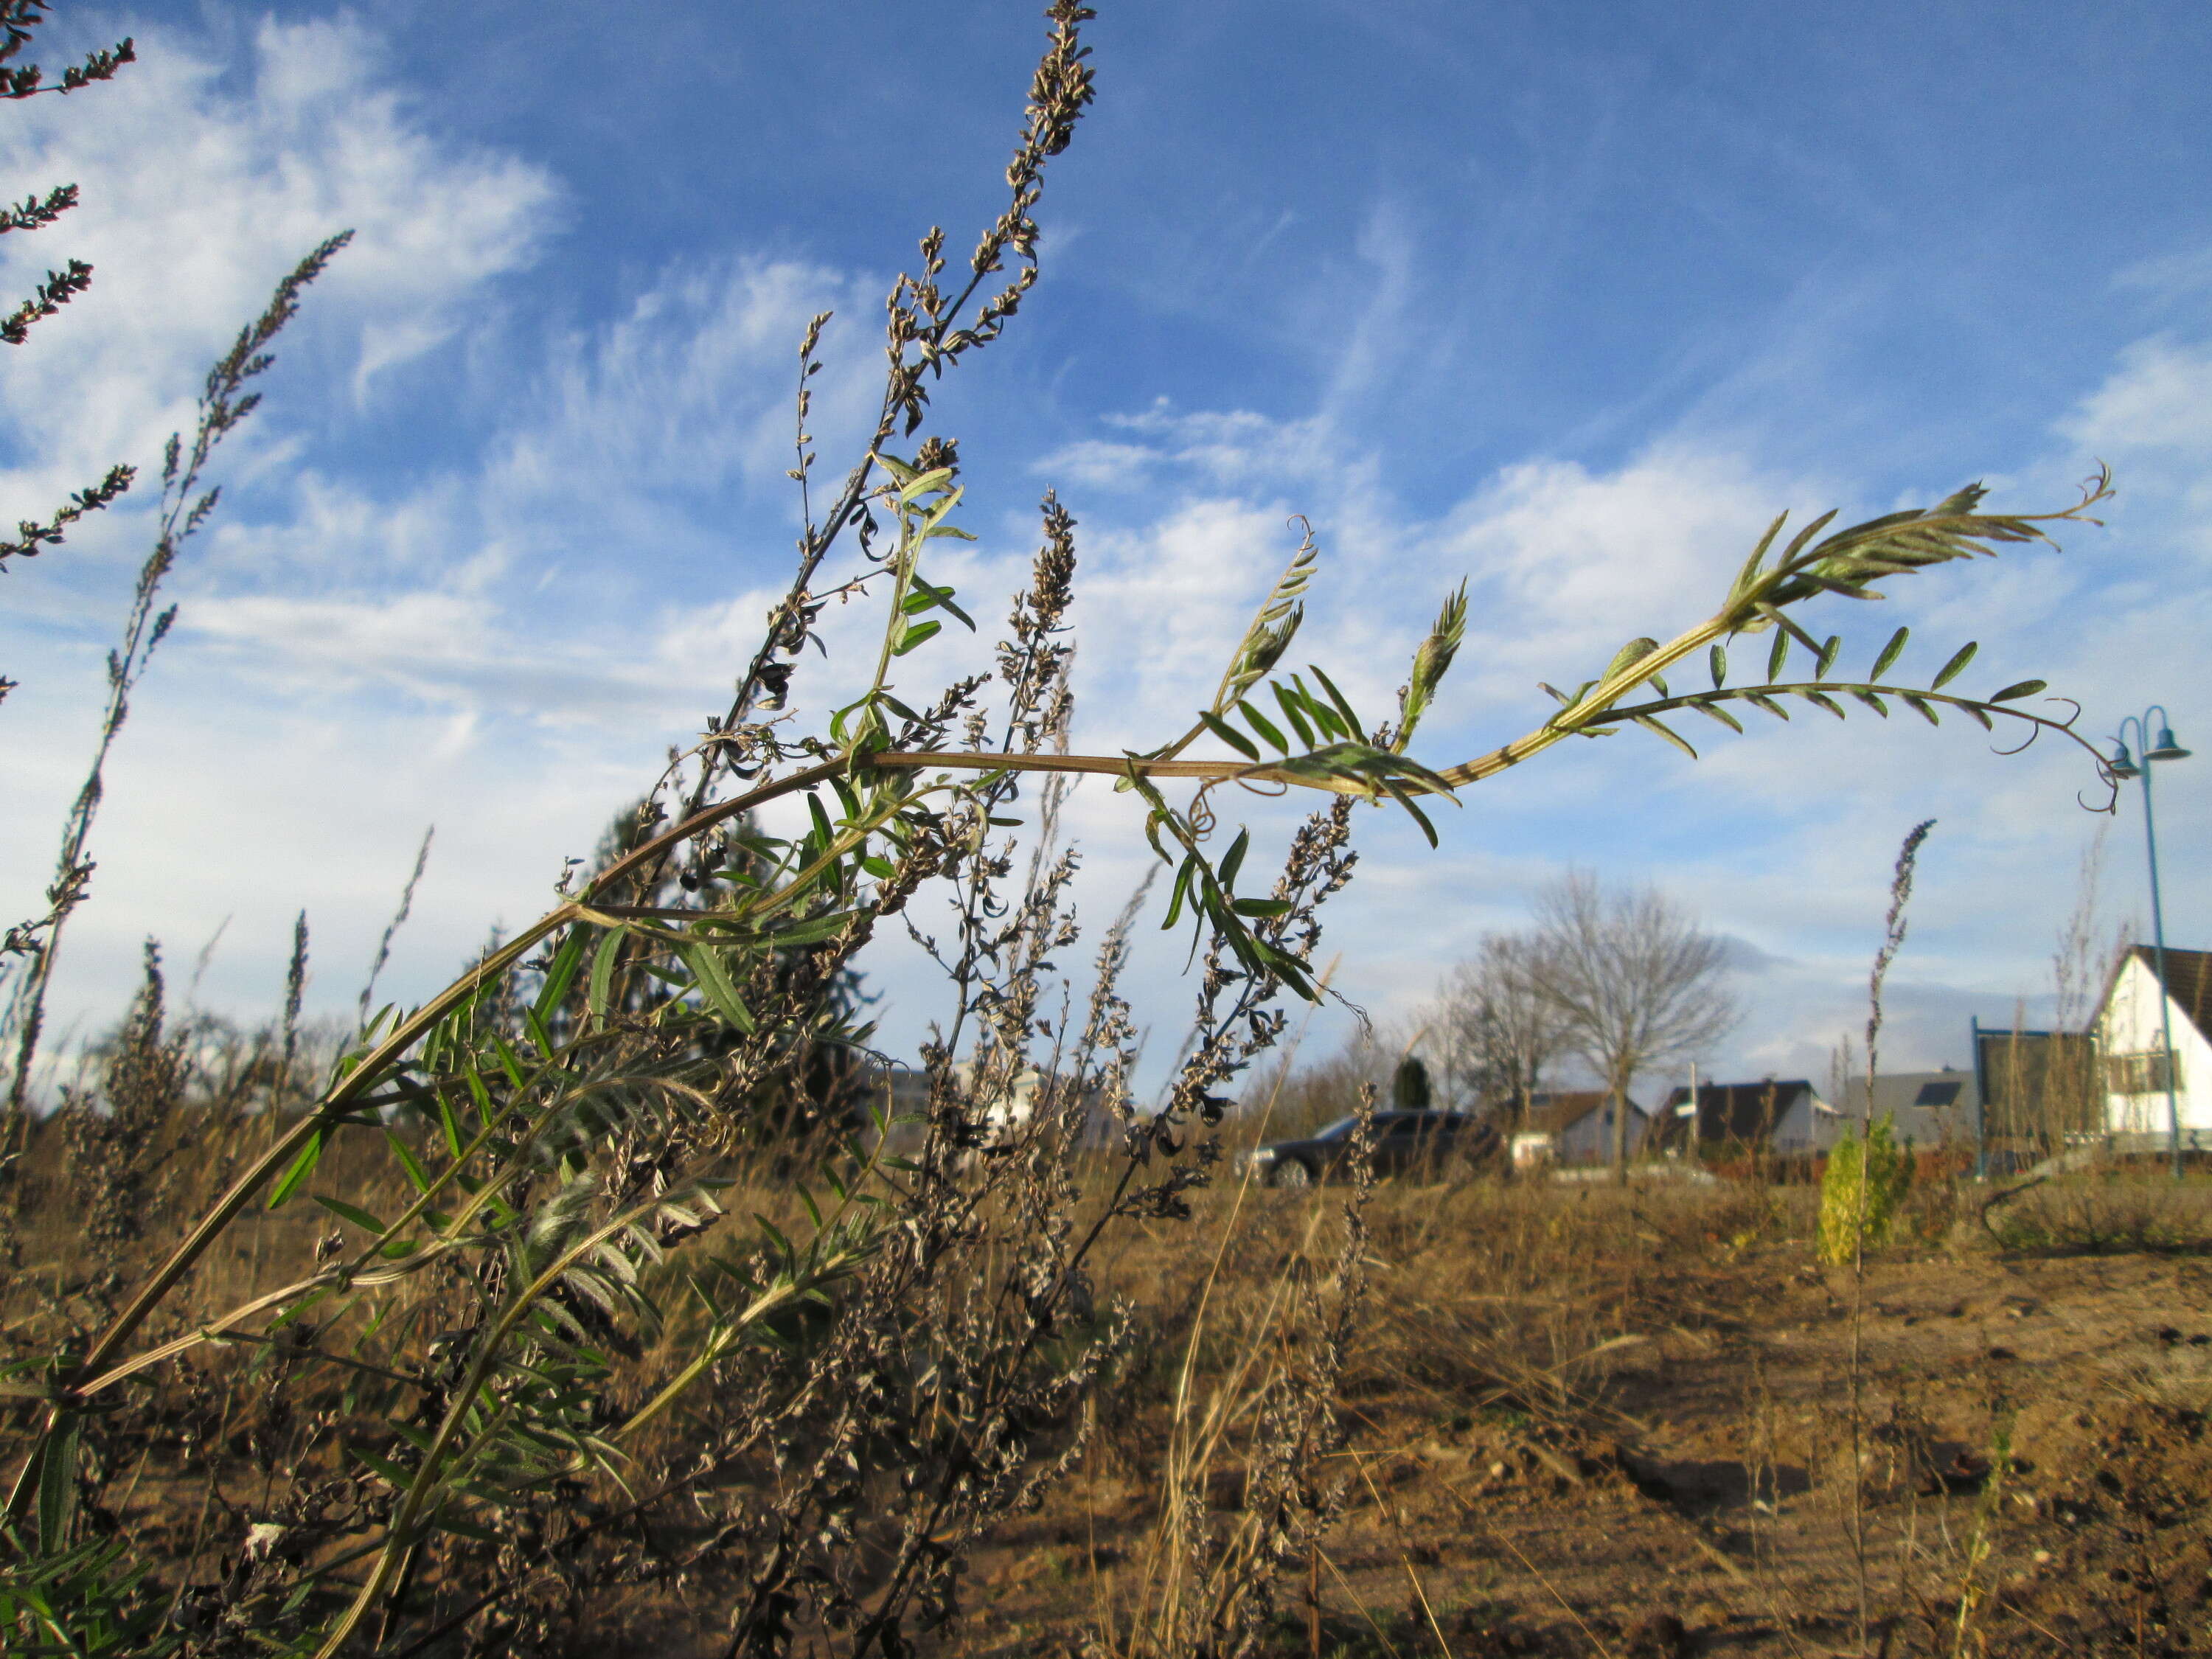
point(1264, 726)
point(923, 597)
point(707, 972)
point(1353, 728)
point(302, 1167)
point(1229, 735)
point(1628, 656)
point(1233, 860)
point(359, 1217)
point(1659, 729)
point(1951, 669)
point(916, 635)
point(415, 1174)
point(1750, 572)
point(562, 972)
point(601, 987)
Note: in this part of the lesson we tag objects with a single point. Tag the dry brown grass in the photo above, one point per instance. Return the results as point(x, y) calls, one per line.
point(1574, 1419)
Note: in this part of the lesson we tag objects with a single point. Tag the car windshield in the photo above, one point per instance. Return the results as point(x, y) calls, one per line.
point(1338, 1130)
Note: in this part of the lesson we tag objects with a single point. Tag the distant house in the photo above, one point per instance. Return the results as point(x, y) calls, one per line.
point(902, 1092)
point(1575, 1126)
point(1773, 1115)
point(2040, 1090)
point(2136, 1064)
point(1927, 1108)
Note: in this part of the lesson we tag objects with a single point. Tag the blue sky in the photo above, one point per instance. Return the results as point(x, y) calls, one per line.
point(1570, 300)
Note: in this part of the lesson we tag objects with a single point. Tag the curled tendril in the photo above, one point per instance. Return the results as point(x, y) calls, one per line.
point(2035, 728)
point(1199, 816)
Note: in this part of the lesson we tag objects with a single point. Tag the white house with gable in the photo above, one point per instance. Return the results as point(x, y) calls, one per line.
point(2131, 1040)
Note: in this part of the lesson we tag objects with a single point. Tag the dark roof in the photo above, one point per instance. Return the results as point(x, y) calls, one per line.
point(1924, 1107)
point(1904, 1092)
point(1736, 1111)
point(2188, 981)
point(1555, 1111)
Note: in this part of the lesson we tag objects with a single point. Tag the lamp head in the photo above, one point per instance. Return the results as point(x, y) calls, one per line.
point(2123, 765)
point(2167, 748)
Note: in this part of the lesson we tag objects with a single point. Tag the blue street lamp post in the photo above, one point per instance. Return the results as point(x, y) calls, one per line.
point(2124, 767)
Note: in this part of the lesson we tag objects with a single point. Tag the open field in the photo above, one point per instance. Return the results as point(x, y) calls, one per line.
point(1574, 1420)
point(1608, 1424)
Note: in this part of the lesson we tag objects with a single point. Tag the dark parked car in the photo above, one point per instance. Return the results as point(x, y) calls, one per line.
point(1406, 1143)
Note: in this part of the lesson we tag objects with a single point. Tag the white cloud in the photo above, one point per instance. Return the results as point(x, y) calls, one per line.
point(506, 642)
point(1096, 463)
point(694, 389)
point(195, 201)
point(1784, 838)
point(2159, 397)
point(2172, 276)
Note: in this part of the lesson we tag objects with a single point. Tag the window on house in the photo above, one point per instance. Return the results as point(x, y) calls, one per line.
point(2150, 1073)
point(1937, 1094)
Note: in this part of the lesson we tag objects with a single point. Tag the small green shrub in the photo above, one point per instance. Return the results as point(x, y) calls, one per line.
point(1862, 1192)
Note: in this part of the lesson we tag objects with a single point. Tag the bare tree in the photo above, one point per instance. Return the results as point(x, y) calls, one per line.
point(1496, 1030)
point(1632, 979)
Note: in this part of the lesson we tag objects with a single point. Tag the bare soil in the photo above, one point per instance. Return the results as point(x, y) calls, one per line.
point(2035, 1469)
point(1632, 1424)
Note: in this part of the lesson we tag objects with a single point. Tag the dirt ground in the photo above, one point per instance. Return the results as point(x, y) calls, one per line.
point(1632, 1423)
point(2035, 1475)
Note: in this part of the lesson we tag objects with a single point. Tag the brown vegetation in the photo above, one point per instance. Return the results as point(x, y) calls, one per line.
point(1573, 1421)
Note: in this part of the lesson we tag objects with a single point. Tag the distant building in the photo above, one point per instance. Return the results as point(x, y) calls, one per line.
point(1772, 1115)
point(1927, 1108)
point(1575, 1126)
point(2041, 1093)
point(901, 1093)
point(2136, 1065)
